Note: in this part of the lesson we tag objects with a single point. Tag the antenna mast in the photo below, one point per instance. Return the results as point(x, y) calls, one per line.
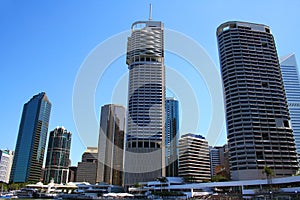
point(150, 12)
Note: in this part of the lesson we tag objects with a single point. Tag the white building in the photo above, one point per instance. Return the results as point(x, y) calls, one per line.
point(194, 160)
point(279, 188)
point(145, 152)
point(6, 159)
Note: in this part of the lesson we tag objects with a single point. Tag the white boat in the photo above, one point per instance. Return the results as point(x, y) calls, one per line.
point(8, 195)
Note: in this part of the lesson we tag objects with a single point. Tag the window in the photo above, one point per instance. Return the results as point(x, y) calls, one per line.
point(265, 84)
point(264, 44)
point(286, 123)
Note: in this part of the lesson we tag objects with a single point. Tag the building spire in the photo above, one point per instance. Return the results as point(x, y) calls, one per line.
point(150, 12)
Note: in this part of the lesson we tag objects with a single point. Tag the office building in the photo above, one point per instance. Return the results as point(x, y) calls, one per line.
point(215, 159)
point(194, 161)
point(58, 153)
point(258, 122)
point(290, 76)
point(219, 161)
point(111, 145)
point(145, 152)
point(6, 160)
point(87, 168)
point(172, 137)
point(31, 141)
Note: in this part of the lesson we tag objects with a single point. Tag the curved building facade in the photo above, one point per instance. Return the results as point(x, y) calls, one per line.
point(144, 157)
point(258, 122)
point(58, 153)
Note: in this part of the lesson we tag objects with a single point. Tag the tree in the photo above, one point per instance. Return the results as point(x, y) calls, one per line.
point(219, 178)
point(3, 187)
point(136, 185)
point(269, 173)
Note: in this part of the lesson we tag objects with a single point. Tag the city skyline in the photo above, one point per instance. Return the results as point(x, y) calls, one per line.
point(47, 45)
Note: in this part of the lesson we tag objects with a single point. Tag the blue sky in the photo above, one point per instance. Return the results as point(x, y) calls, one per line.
point(44, 43)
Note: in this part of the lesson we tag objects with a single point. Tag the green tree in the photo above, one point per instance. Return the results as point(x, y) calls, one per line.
point(219, 178)
point(3, 187)
point(269, 173)
point(136, 185)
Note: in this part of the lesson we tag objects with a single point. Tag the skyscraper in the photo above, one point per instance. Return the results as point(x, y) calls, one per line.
point(258, 127)
point(219, 161)
point(31, 142)
point(172, 137)
point(215, 159)
point(111, 145)
point(144, 155)
point(290, 76)
point(6, 159)
point(57, 160)
point(194, 161)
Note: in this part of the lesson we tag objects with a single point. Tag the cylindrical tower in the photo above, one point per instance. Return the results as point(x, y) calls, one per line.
point(258, 127)
point(144, 158)
point(57, 160)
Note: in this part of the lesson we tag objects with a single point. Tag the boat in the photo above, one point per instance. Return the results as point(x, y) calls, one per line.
point(8, 195)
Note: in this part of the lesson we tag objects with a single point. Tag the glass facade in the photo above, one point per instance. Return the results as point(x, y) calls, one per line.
point(290, 76)
point(111, 144)
point(31, 141)
point(57, 160)
point(257, 116)
point(172, 137)
point(146, 103)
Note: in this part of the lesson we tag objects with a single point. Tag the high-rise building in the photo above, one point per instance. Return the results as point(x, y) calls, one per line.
point(145, 153)
point(194, 161)
point(87, 168)
point(6, 160)
point(31, 142)
point(290, 76)
point(215, 159)
point(258, 122)
point(58, 153)
point(219, 162)
point(172, 137)
point(111, 145)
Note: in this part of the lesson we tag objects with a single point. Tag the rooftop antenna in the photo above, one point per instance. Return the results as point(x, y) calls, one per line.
point(150, 12)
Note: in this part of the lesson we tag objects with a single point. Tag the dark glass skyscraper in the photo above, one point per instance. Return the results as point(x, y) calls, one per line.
point(145, 151)
point(258, 122)
point(31, 142)
point(290, 76)
point(111, 145)
point(172, 137)
point(57, 160)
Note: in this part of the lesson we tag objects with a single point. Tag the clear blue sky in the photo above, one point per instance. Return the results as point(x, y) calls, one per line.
point(44, 43)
